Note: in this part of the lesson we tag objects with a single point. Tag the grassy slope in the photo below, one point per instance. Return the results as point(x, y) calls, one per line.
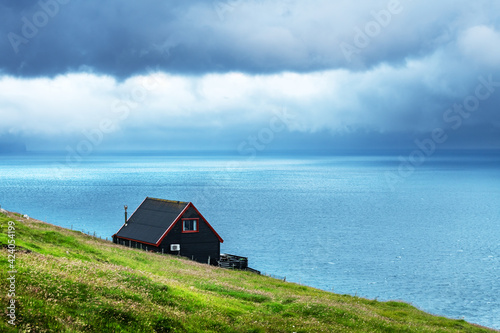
point(68, 281)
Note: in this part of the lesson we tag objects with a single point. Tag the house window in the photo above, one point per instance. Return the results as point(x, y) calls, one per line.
point(190, 225)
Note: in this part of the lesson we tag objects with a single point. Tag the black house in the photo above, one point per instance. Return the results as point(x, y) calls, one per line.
point(172, 227)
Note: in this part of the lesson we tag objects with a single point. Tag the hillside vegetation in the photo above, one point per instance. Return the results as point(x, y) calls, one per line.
point(67, 281)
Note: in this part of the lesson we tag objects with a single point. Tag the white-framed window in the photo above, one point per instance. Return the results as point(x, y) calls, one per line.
point(190, 225)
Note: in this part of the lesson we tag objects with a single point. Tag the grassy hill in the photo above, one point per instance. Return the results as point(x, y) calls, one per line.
point(70, 282)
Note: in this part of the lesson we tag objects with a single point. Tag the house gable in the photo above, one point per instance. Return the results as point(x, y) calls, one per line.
point(154, 219)
point(190, 212)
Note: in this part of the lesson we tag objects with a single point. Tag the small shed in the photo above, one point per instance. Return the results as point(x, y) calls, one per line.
point(172, 227)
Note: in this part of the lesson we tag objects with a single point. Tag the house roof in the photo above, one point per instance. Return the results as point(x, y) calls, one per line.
point(153, 219)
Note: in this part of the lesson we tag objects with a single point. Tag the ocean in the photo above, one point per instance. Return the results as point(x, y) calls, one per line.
point(375, 226)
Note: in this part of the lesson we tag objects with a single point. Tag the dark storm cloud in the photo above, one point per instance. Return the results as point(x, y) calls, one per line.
point(122, 38)
point(369, 73)
point(52, 37)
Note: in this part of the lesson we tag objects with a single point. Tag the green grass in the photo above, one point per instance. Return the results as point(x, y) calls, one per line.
point(70, 282)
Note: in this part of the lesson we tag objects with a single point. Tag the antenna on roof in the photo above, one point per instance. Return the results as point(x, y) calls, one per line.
point(125, 213)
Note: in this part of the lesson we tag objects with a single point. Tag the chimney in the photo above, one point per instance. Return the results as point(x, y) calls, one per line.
point(126, 213)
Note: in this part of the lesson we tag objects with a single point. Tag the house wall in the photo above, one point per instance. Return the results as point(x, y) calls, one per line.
point(198, 246)
point(135, 245)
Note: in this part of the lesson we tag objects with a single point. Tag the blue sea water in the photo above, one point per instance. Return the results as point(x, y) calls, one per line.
point(360, 225)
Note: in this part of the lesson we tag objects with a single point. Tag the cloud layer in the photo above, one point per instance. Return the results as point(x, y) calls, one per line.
point(123, 38)
point(213, 72)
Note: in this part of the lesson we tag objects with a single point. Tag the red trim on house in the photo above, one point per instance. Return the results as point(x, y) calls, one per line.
point(189, 204)
point(130, 217)
point(172, 225)
point(191, 231)
point(204, 219)
point(134, 240)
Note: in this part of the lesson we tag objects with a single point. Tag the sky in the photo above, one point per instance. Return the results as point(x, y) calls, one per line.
point(249, 76)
